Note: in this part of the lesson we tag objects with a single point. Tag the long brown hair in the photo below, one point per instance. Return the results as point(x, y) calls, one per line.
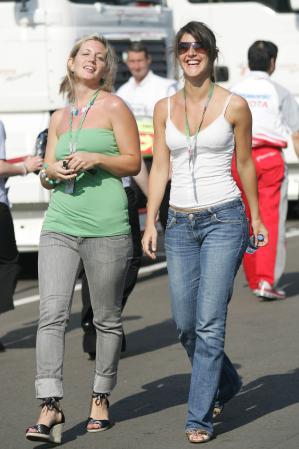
point(67, 86)
point(202, 34)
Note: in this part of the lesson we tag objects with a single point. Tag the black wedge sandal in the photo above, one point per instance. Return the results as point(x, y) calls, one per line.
point(103, 424)
point(44, 433)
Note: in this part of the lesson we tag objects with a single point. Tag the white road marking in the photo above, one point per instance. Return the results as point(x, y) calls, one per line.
point(142, 272)
point(292, 232)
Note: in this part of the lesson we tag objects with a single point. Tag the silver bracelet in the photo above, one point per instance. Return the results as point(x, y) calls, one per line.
point(44, 177)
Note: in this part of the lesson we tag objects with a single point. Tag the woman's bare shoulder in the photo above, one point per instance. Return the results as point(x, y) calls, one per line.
point(111, 101)
point(235, 101)
point(57, 117)
point(59, 113)
point(238, 104)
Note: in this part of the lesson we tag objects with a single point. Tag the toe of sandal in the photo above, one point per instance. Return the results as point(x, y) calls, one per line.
point(102, 424)
point(38, 432)
point(198, 436)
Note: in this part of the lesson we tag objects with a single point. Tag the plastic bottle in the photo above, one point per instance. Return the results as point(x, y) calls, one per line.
point(251, 248)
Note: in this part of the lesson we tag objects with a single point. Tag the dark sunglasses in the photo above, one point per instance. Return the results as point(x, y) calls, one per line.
point(183, 47)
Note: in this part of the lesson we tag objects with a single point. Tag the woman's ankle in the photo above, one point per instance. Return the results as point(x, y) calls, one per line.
point(51, 411)
point(100, 406)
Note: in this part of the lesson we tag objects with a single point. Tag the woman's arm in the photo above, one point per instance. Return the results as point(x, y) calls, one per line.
point(158, 178)
point(240, 116)
point(126, 134)
point(142, 178)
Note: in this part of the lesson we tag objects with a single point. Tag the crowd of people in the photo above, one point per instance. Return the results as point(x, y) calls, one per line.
point(224, 155)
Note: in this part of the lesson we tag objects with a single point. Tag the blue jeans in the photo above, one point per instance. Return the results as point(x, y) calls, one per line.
point(204, 250)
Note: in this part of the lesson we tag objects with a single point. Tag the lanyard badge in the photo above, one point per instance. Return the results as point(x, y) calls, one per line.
point(74, 136)
point(70, 184)
point(192, 140)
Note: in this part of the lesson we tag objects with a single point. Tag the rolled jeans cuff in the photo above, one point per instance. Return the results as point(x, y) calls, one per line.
point(104, 384)
point(50, 387)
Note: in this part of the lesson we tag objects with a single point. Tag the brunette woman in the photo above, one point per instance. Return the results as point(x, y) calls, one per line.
point(207, 232)
point(91, 144)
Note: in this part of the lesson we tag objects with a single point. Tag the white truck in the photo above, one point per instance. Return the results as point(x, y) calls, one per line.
point(36, 36)
point(35, 39)
point(237, 24)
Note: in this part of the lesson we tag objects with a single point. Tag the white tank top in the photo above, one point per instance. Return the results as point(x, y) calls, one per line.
point(209, 180)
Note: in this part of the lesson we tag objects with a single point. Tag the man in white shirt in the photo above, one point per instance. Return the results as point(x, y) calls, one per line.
point(275, 114)
point(141, 92)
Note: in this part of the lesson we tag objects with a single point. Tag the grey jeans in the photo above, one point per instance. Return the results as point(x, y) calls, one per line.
point(105, 260)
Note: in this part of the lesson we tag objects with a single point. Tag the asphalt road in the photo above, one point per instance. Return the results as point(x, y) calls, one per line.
point(149, 402)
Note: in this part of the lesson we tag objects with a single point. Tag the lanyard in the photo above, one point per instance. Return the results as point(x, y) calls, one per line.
point(192, 144)
point(74, 136)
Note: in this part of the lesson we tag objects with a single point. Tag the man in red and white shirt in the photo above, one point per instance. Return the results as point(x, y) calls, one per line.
point(275, 115)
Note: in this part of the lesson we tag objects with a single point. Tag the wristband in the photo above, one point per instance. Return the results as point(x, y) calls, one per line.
point(44, 177)
point(45, 165)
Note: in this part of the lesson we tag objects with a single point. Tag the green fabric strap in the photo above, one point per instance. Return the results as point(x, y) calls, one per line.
point(187, 127)
point(74, 136)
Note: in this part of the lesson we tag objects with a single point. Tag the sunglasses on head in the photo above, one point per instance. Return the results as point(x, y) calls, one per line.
point(185, 46)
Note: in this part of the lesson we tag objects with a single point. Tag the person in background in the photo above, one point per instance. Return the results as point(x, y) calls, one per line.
point(9, 267)
point(89, 331)
point(207, 230)
point(92, 144)
point(275, 115)
point(140, 93)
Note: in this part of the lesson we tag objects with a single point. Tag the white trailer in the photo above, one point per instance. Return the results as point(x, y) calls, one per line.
point(237, 24)
point(35, 39)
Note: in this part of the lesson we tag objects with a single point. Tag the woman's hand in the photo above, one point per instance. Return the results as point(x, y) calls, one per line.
point(149, 241)
point(258, 227)
point(56, 170)
point(82, 160)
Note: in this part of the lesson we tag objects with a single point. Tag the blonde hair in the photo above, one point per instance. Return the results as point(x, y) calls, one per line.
point(67, 86)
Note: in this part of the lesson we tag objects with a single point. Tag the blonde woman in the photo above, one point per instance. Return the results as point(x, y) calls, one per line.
point(91, 144)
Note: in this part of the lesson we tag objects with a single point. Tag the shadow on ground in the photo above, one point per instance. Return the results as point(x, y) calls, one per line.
point(256, 400)
point(147, 339)
point(151, 338)
point(290, 282)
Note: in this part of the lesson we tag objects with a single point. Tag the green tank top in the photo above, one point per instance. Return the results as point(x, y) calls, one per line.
point(98, 207)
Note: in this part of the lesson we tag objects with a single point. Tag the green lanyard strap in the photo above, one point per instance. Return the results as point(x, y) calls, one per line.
point(192, 145)
point(74, 136)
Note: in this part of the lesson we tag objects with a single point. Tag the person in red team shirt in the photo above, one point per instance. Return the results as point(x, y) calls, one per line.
point(275, 115)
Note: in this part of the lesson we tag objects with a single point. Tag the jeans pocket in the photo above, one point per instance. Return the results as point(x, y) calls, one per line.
point(171, 221)
point(230, 216)
point(49, 239)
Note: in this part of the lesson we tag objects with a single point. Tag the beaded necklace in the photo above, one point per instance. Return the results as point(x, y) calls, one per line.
point(74, 135)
